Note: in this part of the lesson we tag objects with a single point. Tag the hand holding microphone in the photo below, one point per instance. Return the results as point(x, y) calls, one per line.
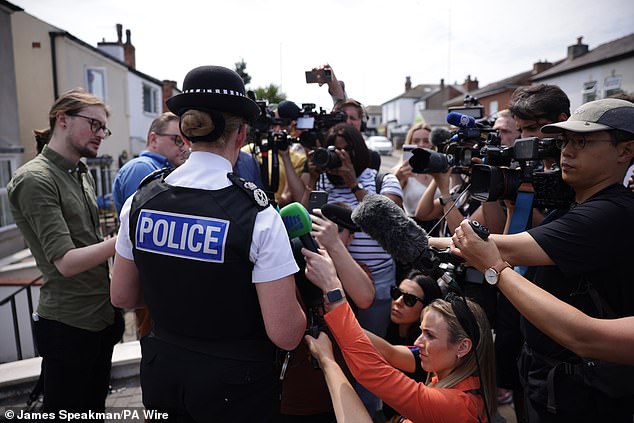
point(298, 225)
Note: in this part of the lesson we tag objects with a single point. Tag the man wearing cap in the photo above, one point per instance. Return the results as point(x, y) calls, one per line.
point(210, 258)
point(583, 258)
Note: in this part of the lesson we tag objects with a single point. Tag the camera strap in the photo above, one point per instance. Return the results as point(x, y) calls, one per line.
point(522, 212)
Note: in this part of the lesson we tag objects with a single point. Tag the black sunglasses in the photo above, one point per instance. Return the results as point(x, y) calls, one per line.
point(408, 299)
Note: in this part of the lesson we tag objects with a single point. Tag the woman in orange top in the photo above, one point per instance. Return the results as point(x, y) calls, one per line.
point(449, 333)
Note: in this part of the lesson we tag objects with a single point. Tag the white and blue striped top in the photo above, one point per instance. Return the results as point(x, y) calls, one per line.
point(363, 249)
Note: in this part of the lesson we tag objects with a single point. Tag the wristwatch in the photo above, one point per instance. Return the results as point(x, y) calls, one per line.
point(334, 295)
point(357, 187)
point(492, 274)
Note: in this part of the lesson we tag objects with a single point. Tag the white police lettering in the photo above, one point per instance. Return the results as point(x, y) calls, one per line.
point(250, 185)
point(180, 235)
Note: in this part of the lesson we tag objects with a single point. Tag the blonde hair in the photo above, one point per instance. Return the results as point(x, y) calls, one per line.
point(196, 123)
point(467, 366)
point(410, 133)
point(70, 103)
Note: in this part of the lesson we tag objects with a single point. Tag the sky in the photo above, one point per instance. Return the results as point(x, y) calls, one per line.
point(372, 45)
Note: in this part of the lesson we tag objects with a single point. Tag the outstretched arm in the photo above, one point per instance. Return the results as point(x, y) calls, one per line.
point(345, 401)
point(611, 340)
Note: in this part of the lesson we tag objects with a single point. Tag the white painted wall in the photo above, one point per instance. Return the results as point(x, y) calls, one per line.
point(572, 83)
point(140, 121)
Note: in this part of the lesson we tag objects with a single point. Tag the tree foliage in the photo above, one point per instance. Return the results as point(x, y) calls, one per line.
point(271, 93)
point(241, 67)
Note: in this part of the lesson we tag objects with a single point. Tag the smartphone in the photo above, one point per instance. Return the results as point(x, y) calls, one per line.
point(311, 76)
point(316, 200)
point(407, 151)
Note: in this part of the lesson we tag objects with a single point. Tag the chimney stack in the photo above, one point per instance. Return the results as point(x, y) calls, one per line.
point(408, 83)
point(577, 50)
point(119, 34)
point(129, 50)
point(470, 85)
point(539, 67)
point(442, 83)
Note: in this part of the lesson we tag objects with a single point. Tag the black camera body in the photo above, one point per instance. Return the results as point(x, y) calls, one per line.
point(315, 125)
point(491, 183)
point(326, 158)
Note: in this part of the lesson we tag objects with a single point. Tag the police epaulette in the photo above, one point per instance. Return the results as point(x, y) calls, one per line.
point(258, 196)
point(157, 173)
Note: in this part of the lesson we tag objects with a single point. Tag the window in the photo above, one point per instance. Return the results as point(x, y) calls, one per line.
point(493, 107)
point(612, 85)
point(589, 92)
point(96, 82)
point(150, 99)
point(6, 170)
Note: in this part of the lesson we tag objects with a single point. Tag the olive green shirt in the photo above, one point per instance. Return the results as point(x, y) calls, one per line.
point(54, 205)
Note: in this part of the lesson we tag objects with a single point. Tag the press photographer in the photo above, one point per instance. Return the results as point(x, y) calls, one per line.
point(597, 144)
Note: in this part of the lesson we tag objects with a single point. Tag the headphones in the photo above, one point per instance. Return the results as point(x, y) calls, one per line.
point(359, 106)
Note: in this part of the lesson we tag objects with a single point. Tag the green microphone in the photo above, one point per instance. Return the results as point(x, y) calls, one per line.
point(298, 225)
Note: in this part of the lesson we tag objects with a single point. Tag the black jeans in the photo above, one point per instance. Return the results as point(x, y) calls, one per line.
point(76, 364)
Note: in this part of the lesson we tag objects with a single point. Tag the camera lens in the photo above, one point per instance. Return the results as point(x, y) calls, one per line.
point(326, 158)
point(424, 160)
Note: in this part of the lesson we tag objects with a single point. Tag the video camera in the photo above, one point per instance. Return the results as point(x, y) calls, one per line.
point(315, 125)
point(492, 182)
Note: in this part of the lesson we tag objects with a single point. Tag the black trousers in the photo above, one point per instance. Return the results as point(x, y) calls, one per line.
point(196, 387)
point(76, 364)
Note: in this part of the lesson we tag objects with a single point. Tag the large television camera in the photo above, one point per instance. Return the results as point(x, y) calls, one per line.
point(315, 125)
point(494, 182)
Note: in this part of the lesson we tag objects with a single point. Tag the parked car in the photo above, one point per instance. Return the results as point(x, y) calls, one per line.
point(380, 144)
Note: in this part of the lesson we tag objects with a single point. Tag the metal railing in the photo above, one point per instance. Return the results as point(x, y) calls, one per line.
point(14, 313)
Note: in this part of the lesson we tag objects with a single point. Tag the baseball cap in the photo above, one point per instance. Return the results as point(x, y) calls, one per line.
point(599, 115)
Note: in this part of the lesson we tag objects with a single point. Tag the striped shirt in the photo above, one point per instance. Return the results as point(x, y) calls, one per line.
point(363, 248)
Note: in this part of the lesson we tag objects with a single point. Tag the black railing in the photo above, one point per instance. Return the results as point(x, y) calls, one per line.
point(14, 313)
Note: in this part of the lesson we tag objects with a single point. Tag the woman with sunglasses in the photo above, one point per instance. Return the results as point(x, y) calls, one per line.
point(408, 300)
point(455, 346)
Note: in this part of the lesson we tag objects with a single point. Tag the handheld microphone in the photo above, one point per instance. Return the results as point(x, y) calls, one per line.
point(397, 233)
point(298, 225)
point(460, 120)
point(340, 215)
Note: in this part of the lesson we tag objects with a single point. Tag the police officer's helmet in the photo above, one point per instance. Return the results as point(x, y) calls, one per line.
point(214, 88)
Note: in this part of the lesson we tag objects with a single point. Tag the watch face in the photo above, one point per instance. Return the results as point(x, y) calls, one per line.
point(491, 276)
point(334, 295)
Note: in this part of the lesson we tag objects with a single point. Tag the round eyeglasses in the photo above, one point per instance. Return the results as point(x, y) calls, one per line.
point(96, 126)
point(176, 139)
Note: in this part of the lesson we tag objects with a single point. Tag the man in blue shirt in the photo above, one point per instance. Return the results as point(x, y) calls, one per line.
point(165, 148)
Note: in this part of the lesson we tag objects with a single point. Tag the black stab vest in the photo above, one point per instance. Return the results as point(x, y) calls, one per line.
point(191, 247)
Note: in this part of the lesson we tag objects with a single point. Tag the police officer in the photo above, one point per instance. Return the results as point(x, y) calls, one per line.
point(204, 251)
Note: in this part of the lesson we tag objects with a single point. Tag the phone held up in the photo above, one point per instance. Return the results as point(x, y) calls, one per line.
point(316, 200)
point(312, 76)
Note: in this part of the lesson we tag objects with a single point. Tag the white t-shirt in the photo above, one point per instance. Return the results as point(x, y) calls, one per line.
point(270, 250)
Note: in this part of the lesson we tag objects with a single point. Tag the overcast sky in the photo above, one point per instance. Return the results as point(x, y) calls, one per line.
point(372, 44)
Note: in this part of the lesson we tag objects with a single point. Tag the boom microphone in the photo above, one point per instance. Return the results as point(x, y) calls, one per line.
point(298, 225)
point(340, 215)
point(460, 120)
point(439, 136)
point(398, 234)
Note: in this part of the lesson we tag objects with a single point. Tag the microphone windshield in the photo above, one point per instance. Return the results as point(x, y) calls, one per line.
point(340, 215)
point(296, 220)
point(439, 136)
point(460, 120)
point(388, 224)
